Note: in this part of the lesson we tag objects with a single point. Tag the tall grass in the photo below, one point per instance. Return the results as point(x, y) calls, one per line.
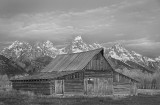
point(14, 97)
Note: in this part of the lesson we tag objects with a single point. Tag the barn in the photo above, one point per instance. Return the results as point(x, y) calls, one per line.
point(86, 73)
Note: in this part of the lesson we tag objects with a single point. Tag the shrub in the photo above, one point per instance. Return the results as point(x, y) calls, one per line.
point(15, 97)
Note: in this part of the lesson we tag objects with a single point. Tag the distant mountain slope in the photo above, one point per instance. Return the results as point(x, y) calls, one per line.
point(9, 67)
point(39, 63)
point(132, 58)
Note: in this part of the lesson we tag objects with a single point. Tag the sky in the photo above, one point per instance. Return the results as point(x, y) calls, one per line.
point(134, 23)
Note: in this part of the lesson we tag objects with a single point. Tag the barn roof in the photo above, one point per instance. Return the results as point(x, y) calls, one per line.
point(44, 75)
point(64, 64)
point(71, 62)
point(126, 76)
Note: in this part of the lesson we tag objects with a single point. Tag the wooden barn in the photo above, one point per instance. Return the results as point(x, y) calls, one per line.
point(87, 73)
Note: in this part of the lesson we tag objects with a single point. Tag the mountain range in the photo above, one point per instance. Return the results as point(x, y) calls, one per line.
point(33, 57)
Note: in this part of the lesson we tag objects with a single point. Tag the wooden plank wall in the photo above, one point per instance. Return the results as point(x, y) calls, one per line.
point(97, 73)
point(125, 88)
point(122, 88)
point(52, 86)
point(98, 76)
point(59, 87)
point(120, 78)
point(73, 86)
point(98, 63)
point(98, 86)
point(73, 83)
point(124, 85)
point(38, 87)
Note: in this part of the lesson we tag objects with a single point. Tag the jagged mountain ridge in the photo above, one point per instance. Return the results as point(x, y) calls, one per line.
point(120, 53)
point(19, 49)
point(26, 53)
point(23, 49)
point(78, 45)
point(34, 57)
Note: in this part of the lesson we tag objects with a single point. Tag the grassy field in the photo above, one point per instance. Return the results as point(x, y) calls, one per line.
point(19, 98)
point(135, 100)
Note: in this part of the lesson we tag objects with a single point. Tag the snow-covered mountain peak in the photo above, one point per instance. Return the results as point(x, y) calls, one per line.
point(136, 54)
point(24, 51)
point(120, 53)
point(96, 45)
point(17, 44)
point(48, 44)
point(16, 49)
point(78, 38)
point(157, 59)
point(119, 48)
point(78, 45)
point(118, 45)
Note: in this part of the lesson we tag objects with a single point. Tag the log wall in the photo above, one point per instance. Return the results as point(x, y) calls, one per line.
point(38, 87)
point(97, 73)
point(75, 86)
point(73, 83)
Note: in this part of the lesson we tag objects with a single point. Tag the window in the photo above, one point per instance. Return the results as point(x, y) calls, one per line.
point(76, 75)
point(90, 81)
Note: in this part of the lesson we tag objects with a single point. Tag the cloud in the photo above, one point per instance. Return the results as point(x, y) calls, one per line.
point(145, 43)
point(3, 44)
point(143, 46)
point(56, 23)
point(134, 22)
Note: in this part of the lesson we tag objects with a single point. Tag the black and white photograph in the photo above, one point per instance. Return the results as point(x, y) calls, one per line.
point(79, 52)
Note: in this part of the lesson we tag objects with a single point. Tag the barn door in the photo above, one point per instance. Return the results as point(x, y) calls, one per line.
point(102, 86)
point(90, 86)
point(59, 86)
point(52, 87)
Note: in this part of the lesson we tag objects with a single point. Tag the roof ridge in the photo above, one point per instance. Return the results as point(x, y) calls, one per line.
point(83, 51)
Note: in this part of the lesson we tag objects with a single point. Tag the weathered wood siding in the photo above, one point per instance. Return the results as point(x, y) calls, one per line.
point(125, 88)
point(97, 73)
point(98, 86)
point(120, 78)
point(122, 88)
point(98, 77)
point(74, 86)
point(73, 83)
point(59, 87)
point(36, 86)
point(98, 63)
point(52, 87)
point(123, 84)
